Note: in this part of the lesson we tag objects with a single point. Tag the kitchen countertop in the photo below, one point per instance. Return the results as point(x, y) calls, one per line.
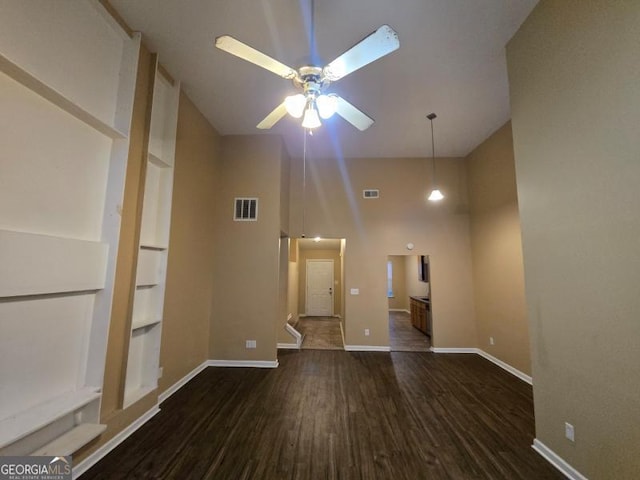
point(422, 299)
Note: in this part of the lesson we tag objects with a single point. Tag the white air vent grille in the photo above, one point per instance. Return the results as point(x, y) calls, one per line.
point(246, 210)
point(371, 193)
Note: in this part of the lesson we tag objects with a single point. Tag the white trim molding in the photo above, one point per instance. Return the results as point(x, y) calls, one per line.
point(243, 363)
point(512, 370)
point(454, 350)
point(557, 461)
point(367, 348)
point(295, 334)
point(181, 383)
point(399, 310)
point(101, 452)
point(505, 366)
point(288, 346)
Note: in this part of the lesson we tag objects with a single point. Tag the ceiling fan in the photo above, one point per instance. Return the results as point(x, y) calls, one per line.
point(313, 104)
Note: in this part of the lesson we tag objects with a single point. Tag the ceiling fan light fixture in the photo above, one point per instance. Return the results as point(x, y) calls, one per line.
point(295, 105)
point(327, 105)
point(311, 119)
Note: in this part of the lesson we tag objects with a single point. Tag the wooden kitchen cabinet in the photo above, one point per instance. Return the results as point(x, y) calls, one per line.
point(421, 314)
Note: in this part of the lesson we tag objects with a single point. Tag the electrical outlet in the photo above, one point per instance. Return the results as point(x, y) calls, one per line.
point(366, 332)
point(491, 341)
point(569, 432)
point(160, 371)
point(251, 344)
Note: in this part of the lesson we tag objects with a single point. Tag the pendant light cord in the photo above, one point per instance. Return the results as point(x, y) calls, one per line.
point(433, 155)
point(312, 32)
point(304, 177)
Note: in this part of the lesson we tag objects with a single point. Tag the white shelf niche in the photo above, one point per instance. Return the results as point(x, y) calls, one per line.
point(147, 307)
point(142, 363)
point(79, 41)
point(150, 270)
point(42, 264)
point(156, 209)
point(64, 146)
point(146, 323)
point(164, 118)
point(58, 413)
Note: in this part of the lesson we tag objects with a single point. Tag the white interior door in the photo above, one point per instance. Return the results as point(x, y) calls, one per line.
point(319, 288)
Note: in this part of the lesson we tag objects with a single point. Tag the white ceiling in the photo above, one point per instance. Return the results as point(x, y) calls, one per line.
point(451, 61)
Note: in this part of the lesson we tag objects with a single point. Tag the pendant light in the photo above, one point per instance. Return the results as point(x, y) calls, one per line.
point(436, 194)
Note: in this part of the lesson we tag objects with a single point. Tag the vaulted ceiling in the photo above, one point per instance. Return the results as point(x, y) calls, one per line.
point(451, 61)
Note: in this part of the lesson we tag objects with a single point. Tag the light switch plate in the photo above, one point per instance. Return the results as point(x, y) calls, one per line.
point(355, 291)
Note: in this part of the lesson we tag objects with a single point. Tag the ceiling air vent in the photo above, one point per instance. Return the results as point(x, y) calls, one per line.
point(246, 210)
point(371, 193)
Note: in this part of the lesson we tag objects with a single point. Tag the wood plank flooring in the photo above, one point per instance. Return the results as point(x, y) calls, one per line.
point(340, 415)
point(404, 337)
point(320, 333)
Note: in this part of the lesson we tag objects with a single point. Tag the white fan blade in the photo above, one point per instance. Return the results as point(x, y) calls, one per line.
point(352, 115)
point(250, 54)
point(380, 43)
point(273, 118)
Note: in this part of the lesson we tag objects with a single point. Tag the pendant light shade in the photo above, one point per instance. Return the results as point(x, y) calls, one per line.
point(435, 195)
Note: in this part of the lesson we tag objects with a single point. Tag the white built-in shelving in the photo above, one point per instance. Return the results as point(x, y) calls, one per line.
point(146, 319)
point(67, 83)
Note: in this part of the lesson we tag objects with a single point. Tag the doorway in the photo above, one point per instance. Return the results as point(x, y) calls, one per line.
point(320, 283)
point(409, 299)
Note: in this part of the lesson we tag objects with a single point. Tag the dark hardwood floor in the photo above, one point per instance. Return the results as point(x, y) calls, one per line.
point(404, 337)
point(340, 415)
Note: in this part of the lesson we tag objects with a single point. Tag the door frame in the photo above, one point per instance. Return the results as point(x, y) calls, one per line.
point(306, 289)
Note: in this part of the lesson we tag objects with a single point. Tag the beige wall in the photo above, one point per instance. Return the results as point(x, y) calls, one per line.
point(293, 283)
point(415, 288)
point(574, 80)
point(496, 248)
point(400, 299)
point(331, 254)
point(187, 305)
point(374, 229)
point(246, 264)
point(283, 292)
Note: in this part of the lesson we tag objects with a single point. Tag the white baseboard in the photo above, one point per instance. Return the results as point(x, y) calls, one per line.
point(289, 317)
point(181, 383)
point(512, 370)
point(557, 461)
point(342, 333)
point(288, 346)
point(404, 310)
point(454, 350)
point(295, 334)
point(101, 452)
point(367, 348)
point(505, 366)
point(243, 363)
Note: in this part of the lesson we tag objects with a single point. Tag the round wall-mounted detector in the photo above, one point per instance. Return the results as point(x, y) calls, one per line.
point(410, 246)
